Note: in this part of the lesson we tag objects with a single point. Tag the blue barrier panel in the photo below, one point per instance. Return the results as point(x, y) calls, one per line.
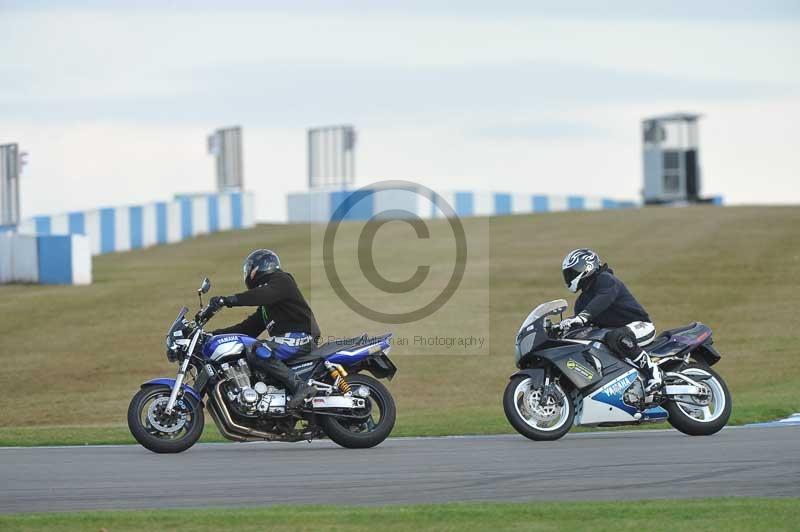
point(502, 204)
point(465, 203)
point(576, 203)
point(236, 210)
point(136, 223)
point(76, 221)
point(161, 222)
point(610, 204)
point(213, 213)
point(108, 229)
point(716, 200)
point(186, 217)
point(540, 203)
point(42, 225)
point(352, 205)
point(55, 259)
point(7, 228)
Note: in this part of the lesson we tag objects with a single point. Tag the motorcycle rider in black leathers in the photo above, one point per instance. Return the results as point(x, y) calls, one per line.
point(606, 302)
point(283, 312)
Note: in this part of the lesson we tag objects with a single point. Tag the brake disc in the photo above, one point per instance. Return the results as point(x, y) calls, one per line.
point(162, 422)
point(546, 412)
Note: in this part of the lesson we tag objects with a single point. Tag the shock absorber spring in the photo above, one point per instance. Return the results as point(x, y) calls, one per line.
point(339, 376)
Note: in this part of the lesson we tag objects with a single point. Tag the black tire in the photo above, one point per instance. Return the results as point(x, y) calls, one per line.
point(691, 426)
point(343, 431)
point(510, 406)
point(150, 437)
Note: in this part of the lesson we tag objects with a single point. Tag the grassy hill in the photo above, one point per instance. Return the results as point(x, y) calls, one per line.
point(73, 356)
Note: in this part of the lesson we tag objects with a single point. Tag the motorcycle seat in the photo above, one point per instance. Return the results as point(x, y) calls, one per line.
point(667, 335)
point(331, 348)
point(588, 333)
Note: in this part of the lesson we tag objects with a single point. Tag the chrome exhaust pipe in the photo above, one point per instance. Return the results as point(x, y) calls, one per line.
point(212, 411)
point(240, 430)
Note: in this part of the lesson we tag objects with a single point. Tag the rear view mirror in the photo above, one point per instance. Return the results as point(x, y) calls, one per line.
point(205, 286)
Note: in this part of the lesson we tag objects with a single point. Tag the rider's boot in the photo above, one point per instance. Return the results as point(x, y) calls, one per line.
point(299, 389)
point(654, 381)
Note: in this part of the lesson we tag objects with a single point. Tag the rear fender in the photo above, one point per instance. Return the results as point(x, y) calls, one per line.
point(380, 365)
point(707, 353)
point(164, 381)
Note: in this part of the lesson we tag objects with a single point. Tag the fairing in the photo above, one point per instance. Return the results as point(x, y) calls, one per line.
point(532, 333)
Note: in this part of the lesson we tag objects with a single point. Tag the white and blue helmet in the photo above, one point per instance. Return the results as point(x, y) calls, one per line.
point(578, 267)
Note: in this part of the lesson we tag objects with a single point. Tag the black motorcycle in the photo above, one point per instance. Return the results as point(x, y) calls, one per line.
point(573, 378)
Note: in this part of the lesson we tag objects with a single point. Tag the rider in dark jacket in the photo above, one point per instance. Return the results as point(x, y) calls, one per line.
point(606, 302)
point(282, 312)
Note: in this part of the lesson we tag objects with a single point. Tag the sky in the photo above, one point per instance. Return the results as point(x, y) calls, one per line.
point(113, 100)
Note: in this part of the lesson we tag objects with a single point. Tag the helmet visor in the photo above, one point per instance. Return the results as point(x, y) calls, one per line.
point(569, 275)
point(247, 270)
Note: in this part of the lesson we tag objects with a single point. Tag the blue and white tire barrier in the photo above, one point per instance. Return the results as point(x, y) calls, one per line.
point(791, 421)
point(139, 226)
point(363, 204)
point(50, 259)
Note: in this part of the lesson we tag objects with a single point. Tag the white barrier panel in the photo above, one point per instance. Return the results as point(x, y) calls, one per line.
point(18, 259)
point(200, 212)
point(224, 213)
point(149, 232)
point(92, 228)
point(122, 229)
point(173, 222)
point(81, 260)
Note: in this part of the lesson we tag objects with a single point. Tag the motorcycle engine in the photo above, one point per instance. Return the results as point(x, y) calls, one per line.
point(634, 395)
point(257, 400)
point(240, 394)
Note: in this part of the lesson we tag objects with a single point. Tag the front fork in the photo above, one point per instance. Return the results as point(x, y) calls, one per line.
point(173, 396)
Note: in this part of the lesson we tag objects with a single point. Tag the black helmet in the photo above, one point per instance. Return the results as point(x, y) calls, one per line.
point(258, 266)
point(578, 267)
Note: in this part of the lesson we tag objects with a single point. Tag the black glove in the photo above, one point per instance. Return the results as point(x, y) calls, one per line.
point(217, 302)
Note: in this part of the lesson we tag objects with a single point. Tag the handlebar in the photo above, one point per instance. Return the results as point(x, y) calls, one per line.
point(203, 315)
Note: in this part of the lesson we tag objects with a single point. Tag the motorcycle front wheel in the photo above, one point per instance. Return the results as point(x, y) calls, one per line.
point(159, 432)
point(539, 422)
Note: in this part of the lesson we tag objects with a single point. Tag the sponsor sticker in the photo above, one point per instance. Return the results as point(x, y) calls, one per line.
point(580, 369)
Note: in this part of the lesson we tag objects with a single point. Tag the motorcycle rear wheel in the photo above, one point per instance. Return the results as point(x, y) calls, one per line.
point(521, 407)
point(702, 421)
point(366, 432)
point(160, 433)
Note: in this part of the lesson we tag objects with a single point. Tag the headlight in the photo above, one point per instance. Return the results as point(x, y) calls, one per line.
point(172, 354)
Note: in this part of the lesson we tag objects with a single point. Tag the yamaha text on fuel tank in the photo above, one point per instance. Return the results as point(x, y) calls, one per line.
point(351, 408)
point(575, 379)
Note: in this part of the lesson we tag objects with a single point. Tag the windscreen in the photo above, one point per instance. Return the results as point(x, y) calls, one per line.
point(178, 323)
point(545, 309)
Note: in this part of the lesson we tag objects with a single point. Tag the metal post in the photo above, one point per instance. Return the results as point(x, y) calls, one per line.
point(9, 184)
point(331, 156)
point(226, 146)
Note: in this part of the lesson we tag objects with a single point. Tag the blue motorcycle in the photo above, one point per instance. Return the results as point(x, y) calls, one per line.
point(351, 408)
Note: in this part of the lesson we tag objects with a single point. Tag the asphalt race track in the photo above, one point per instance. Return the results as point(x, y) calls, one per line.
point(742, 461)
